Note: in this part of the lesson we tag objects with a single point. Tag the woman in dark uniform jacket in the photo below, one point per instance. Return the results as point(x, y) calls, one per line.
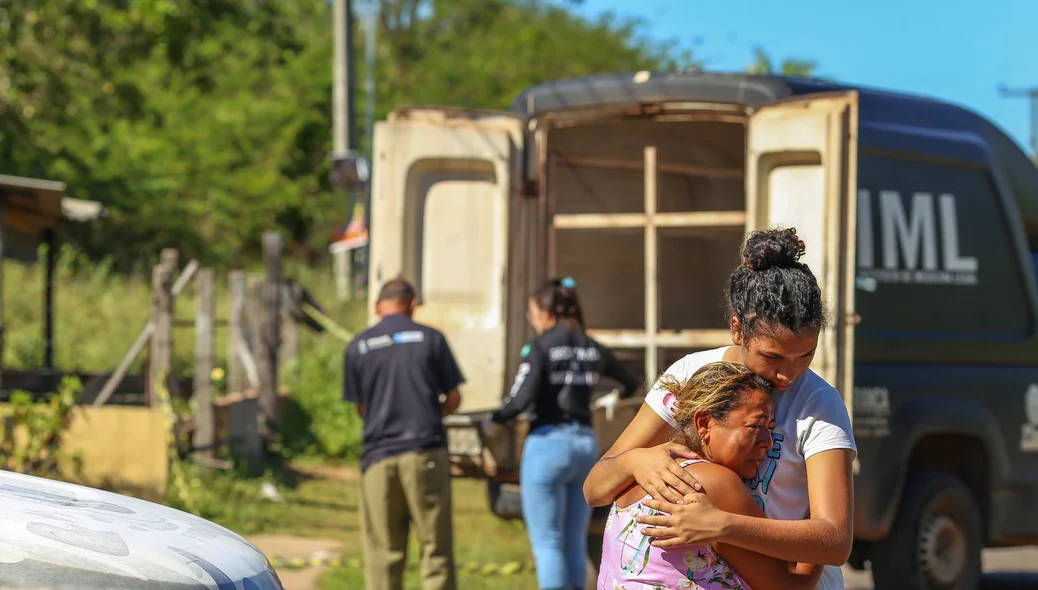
point(559, 370)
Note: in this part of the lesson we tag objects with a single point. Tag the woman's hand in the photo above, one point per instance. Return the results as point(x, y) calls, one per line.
point(658, 473)
point(695, 520)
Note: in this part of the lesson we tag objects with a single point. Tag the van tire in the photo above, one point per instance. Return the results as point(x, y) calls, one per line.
point(936, 539)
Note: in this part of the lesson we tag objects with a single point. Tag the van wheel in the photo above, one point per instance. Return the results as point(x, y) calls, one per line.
point(936, 540)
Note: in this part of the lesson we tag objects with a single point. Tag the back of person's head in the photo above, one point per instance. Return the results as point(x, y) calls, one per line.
point(558, 299)
point(772, 292)
point(716, 389)
point(397, 296)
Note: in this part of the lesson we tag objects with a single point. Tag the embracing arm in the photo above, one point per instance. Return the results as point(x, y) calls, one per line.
point(826, 536)
point(641, 448)
point(760, 571)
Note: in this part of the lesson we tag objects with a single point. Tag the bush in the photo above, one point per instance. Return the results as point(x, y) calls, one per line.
point(30, 432)
point(317, 423)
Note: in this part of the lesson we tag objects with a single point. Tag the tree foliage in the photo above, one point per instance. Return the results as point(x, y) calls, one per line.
point(763, 65)
point(201, 123)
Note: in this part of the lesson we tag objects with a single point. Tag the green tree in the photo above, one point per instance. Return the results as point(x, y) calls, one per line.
point(763, 65)
point(482, 53)
point(201, 123)
point(196, 123)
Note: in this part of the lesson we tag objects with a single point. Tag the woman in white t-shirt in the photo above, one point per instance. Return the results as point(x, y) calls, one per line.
point(775, 312)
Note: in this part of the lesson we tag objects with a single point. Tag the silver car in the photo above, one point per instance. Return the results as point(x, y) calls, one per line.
point(60, 535)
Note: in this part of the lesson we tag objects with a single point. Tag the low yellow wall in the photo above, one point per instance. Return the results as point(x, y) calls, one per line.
point(123, 449)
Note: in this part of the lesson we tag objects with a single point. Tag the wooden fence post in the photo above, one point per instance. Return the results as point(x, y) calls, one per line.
point(205, 304)
point(235, 374)
point(160, 354)
point(256, 312)
point(272, 248)
point(289, 330)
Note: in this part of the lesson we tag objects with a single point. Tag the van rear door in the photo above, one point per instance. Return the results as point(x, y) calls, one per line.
point(801, 172)
point(442, 197)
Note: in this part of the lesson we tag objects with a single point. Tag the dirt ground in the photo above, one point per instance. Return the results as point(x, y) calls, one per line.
point(292, 547)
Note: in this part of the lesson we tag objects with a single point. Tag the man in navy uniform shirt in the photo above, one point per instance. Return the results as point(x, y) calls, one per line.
point(395, 372)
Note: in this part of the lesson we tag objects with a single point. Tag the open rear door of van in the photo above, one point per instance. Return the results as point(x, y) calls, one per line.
point(446, 184)
point(801, 172)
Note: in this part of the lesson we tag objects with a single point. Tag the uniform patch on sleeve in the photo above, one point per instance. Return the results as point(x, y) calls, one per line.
point(525, 351)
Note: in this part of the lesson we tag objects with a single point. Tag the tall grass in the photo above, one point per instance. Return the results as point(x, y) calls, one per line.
point(99, 314)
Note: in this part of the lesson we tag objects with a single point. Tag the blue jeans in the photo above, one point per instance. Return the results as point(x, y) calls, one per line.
point(556, 461)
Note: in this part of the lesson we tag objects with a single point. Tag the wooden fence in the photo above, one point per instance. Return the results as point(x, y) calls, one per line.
point(262, 337)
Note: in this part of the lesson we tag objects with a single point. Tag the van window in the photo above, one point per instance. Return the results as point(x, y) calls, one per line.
point(935, 257)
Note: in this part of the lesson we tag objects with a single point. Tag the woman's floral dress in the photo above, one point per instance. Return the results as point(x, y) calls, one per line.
point(629, 562)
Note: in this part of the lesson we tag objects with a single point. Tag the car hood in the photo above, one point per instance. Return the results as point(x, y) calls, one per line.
point(61, 535)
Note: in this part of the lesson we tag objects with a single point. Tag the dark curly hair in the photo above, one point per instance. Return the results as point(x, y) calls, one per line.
point(772, 289)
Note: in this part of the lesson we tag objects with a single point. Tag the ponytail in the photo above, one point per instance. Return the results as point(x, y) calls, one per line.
point(558, 297)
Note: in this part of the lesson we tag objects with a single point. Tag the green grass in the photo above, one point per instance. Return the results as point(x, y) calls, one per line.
point(318, 508)
point(326, 508)
point(479, 537)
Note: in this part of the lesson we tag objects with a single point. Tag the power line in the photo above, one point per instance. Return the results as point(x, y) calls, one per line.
point(1031, 94)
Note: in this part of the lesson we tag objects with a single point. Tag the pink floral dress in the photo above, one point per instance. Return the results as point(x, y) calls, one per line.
point(629, 562)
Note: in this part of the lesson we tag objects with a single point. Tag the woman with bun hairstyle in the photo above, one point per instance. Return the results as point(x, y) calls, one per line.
point(775, 313)
point(559, 370)
point(725, 414)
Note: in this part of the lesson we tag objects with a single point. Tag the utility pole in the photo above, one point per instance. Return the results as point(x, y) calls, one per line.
point(343, 86)
point(349, 169)
point(1031, 94)
point(370, 41)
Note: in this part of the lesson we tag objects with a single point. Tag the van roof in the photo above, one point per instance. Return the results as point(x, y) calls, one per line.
point(878, 110)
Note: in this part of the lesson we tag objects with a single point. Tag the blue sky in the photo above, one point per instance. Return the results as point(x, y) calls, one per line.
point(955, 50)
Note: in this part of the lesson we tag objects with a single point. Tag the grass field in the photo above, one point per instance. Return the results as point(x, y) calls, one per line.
point(479, 537)
point(326, 508)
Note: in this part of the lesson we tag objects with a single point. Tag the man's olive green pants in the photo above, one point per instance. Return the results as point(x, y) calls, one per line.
point(394, 493)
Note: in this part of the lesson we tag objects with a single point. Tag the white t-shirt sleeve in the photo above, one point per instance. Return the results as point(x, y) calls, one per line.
point(663, 402)
point(659, 399)
point(822, 422)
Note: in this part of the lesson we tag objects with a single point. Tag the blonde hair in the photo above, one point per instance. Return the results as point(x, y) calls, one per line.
point(717, 389)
